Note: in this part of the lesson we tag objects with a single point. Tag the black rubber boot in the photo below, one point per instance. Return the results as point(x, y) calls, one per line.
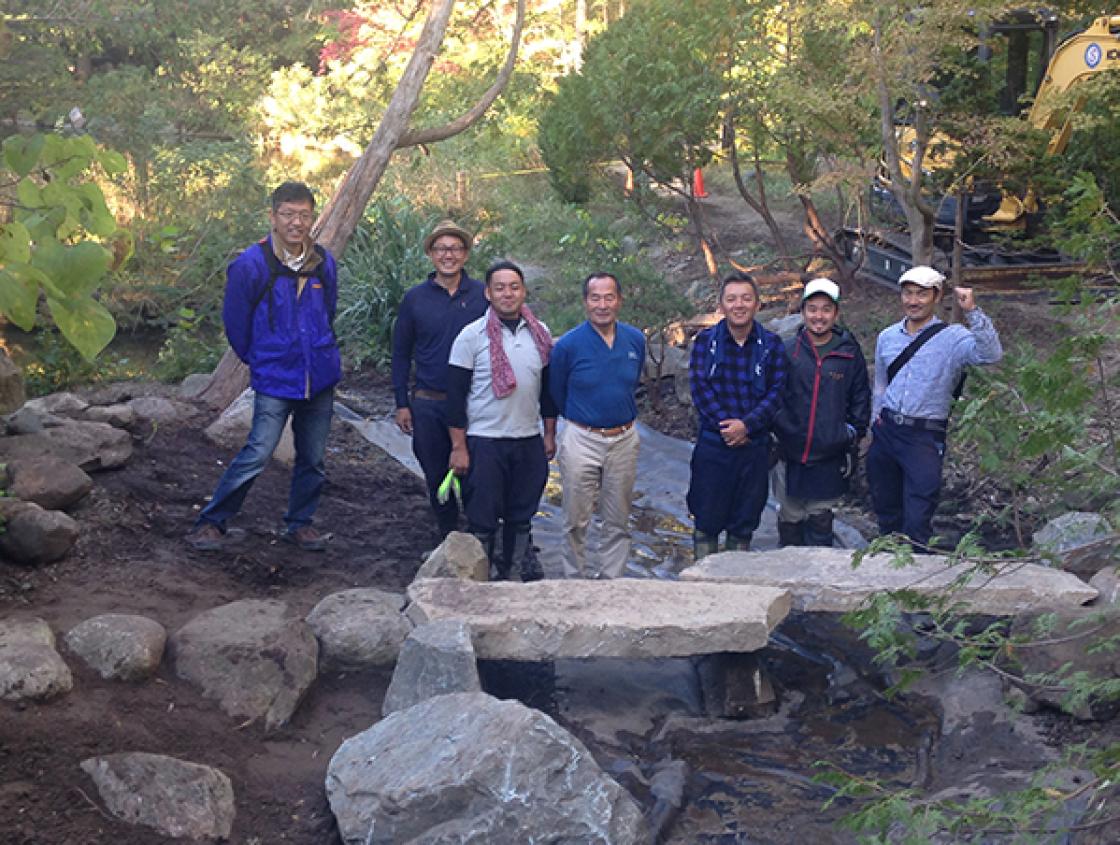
point(498, 572)
point(703, 545)
point(818, 529)
point(736, 543)
point(525, 555)
point(791, 533)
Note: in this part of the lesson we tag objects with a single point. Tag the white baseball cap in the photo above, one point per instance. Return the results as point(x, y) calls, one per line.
point(923, 277)
point(822, 285)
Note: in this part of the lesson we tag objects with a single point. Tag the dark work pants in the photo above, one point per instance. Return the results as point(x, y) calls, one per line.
point(904, 474)
point(505, 482)
point(431, 444)
point(728, 487)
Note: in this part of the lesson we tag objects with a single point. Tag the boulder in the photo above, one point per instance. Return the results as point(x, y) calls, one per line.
point(12, 396)
point(436, 659)
point(250, 656)
point(119, 415)
point(823, 580)
point(359, 628)
point(62, 403)
point(91, 446)
point(28, 421)
point(231, 429)
point(193, 385)
point(623, 617)
point(30, 667)
point(32, 535)
point(1107, 584)
point(50, 483)
point(460, 555)
point(468, 767)
point(119, 646)
point(179, 799)
point(157, 409)
point(1059, 646)
point(1082, 543)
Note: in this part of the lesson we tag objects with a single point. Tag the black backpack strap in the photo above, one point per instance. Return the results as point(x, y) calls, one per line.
point(275, 270)
point(917, 343)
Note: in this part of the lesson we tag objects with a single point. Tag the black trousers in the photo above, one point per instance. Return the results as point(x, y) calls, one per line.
point(505, 482)
point(431, 444)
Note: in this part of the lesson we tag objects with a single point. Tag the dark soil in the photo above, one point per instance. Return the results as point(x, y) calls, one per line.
point(131, 559)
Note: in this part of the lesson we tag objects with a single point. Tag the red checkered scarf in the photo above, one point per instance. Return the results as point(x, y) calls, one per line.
point(501, 372)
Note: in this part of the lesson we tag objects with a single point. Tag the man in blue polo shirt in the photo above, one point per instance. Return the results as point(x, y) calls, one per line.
point(594, 372)
point(911, 404)
point(430, 318)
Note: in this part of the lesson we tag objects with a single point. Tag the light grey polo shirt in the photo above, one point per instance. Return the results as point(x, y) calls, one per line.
point(517, 415)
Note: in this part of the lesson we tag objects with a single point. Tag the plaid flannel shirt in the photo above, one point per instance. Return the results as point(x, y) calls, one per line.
point(728, 392)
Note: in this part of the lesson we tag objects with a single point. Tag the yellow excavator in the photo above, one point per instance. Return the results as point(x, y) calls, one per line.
point(990, 209)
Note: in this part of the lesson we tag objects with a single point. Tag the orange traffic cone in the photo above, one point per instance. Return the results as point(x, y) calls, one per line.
point(698, 189)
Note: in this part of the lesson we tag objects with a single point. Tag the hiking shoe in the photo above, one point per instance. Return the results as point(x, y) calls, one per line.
point(531, 569)
point(206, 538)
point(306, 538)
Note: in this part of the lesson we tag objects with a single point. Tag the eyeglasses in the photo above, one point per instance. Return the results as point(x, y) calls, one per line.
point(301, 216)
point(449, 250)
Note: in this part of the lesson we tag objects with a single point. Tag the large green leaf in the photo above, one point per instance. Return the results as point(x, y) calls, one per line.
point(15, 243)
point(43, 223)
point(95, 214)
point(112, 162)
point(18, 298)
point(85, 323)
point(67, 157)
point(77, 269)
point(29, 194)
point(21, 152)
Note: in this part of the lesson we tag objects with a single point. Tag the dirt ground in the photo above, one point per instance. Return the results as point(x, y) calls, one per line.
point(131, 558)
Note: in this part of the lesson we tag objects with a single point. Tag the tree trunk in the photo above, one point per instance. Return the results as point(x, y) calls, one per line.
point(343, 212)
point(758, 204)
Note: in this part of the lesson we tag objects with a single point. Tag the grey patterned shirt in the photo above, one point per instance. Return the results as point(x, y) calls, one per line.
point(924, 386)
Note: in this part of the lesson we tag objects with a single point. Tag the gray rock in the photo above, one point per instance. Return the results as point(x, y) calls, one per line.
point(436, 659)
point(359, 628)
point(1061, 649)
point(32, 535)
point(118, 646)
point(91, 446)
point(785, 327)
point(12, 395)
point(157, 409)
point(63, 403)
point(231, 429)
point(823, 580)
point(30, 667)
point(460, 555)
point(50, 483)
point(193, 385)
point(179, 799)
point(26, 421)
point(467, 767)
point(120, 415)
point(1107, 584)
point(623, 617)
point(250, 656)
point(1083, 543)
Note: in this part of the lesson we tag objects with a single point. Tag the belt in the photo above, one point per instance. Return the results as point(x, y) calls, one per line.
point(433, 395)
point(919, 423)
point(606, 432)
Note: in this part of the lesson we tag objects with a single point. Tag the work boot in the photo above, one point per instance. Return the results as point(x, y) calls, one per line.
point(306, 538)
point(736, 543)
point(818, 529)
point(206, 537)
point(791, 534)
point(703, 545)
point(524, 554)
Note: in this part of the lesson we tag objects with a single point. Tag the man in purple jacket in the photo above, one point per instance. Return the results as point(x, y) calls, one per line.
point(279, 308)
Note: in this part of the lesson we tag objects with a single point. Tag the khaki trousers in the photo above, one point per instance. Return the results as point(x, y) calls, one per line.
point(596, 466)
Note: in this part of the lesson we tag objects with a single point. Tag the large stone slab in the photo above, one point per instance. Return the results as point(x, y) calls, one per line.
point(467, 767)
point(624, 617)
point(823, 580)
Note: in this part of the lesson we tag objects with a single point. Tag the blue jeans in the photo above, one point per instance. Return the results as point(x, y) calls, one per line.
point(311, 422)
point(904, 475)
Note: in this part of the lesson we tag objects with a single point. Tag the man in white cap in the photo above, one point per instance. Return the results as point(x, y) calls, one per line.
point(826, 408)
point(919, 363)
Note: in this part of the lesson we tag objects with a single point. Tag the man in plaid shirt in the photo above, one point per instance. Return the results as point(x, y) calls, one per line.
point(737, 371)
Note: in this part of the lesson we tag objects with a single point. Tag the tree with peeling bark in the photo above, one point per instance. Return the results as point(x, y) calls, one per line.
point(341, 215)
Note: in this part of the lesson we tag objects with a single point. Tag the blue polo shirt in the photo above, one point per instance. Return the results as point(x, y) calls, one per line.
point(593, 383)
point(427, 324)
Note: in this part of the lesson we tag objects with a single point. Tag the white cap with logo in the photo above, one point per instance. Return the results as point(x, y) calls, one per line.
point(822, 285)
point(923, 277)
